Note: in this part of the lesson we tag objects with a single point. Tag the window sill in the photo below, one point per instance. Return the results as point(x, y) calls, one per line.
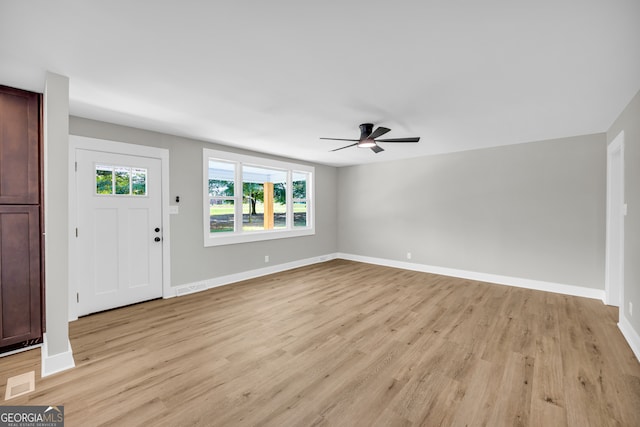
point(255, 236)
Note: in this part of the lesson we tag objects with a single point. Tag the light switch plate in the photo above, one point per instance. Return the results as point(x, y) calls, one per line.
point(174, 210)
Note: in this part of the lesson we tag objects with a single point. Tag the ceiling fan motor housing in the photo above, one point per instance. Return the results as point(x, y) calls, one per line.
point(365, 130)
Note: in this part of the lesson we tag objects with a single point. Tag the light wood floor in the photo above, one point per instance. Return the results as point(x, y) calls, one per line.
point(343, 343)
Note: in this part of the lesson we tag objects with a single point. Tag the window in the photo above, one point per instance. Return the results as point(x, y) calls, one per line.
point(221, 197)
point(300, 205)
point(121, 180)
point(249, 198)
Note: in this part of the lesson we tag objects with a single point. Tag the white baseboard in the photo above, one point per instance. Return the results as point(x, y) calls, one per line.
point(203, 285)
point(630, 335)
point(518, 282)
point(57, 362)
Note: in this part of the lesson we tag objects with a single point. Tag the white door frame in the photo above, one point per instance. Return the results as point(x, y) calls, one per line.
point(94, 144)
point(614, 290)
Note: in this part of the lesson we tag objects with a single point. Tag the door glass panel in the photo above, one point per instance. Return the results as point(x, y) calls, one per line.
point(104, 179)
point(139, 182)
point(123, 180)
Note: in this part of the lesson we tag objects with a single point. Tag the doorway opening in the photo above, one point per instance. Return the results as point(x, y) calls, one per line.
point(614, 263)
point(119, 247)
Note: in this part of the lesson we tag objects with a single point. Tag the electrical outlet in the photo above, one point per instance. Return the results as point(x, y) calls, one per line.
point(266, 258)
point(408, 255)
point(630, 309)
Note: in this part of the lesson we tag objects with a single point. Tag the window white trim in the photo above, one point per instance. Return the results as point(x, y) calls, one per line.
point(240, 236)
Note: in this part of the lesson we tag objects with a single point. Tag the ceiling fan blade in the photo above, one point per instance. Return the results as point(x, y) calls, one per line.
point(346, 146)
point(341, 139)
point(376, 149)
point(378, 132)
point(412, 139)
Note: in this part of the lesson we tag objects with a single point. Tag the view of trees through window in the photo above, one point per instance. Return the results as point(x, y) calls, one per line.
point(121, 180)
point(264, 198)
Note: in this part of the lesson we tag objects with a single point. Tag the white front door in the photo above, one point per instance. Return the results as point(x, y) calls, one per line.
point(119, 234)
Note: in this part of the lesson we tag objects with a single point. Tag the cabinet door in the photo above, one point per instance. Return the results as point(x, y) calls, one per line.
point(19, 146)
point(20, 309)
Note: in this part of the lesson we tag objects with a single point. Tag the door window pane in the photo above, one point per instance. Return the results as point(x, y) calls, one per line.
point(123, 180)
point(139, 182)
point(104, 179)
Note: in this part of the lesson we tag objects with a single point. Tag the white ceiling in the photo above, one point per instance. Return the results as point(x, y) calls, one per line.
point(274, 76)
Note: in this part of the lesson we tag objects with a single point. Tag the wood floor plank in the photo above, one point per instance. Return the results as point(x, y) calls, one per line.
point(346, 344)
point(548, 394)
point(516, 382)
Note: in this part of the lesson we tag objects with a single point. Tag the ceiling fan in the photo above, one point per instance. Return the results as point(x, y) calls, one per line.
point(369, 138)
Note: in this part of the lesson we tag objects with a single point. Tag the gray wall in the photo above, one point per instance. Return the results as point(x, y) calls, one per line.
point(629, 121)
point(190, 260)
point(534, 210)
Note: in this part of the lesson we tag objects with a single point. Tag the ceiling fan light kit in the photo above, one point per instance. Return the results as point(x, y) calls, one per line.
point(367, 143)
point(368, 138)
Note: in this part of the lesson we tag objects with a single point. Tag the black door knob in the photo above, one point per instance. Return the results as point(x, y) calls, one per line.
point(157, 239)
point(157, 230)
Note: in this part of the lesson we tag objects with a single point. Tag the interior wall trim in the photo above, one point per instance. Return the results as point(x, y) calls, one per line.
point(203, 285)
point(57, 362)
point(518, 282)
point(631, 335)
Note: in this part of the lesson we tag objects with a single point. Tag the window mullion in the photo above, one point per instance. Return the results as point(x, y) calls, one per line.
point(289, 199)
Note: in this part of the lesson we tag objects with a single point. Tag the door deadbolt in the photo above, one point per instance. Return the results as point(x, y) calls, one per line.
point(157, 230)
point(157, 239)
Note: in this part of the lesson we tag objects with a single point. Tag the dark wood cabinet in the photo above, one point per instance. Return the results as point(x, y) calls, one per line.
point(19, 274)
point(19, 147)
point(21, 277)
